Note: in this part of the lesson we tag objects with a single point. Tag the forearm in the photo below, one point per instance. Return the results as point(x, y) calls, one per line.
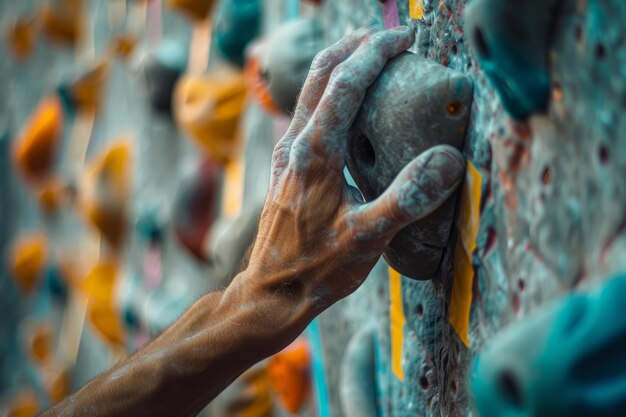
point(182, 370)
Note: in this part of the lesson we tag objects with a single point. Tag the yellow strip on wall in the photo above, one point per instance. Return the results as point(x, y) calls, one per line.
point(397, 320)
point(467, 224)
point(416, 9)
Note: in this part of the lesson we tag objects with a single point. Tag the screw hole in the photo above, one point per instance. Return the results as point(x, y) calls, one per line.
point(454, 108)
point(547, 176)
point(603, 154)
point(420, 310)
point(578, 32)
point(424, 382)
point(364, 150)
point(557, 91)
point(517, 303)
point(600, 51)
point(510, 388)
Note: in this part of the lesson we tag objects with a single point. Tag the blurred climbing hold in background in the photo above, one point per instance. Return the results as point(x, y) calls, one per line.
point(209, 110)
point(104, 191)
point(237, 23)
point(29, 255)
point(62, 21)
point(102, 313)
point(194, 208)
point(564, 360)
point(85, 93)
point(290, 375)
point(197, 10)
point(162, 70)
point(35, 149)
point(511, 42)
point(21, 37)
point(277, 68)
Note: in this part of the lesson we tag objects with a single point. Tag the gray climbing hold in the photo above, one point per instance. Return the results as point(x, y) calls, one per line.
point(287, 59)
point(414, 105)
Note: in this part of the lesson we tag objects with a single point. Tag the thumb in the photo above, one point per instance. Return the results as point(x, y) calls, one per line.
point(418, 190)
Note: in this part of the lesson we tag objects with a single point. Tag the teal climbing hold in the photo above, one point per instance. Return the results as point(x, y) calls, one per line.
point(510, 41)
point(238, 23)
point(567, 360)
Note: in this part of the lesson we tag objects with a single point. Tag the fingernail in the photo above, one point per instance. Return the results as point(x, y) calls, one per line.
point(401, 28)
point(446, 168)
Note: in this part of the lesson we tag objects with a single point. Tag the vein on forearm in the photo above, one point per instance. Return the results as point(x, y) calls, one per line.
point(177, 374)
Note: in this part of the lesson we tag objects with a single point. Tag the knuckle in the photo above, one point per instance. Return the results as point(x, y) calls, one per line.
point(301, 116)
point(344, 77)
point(281, 152)
point(364, 32)
point(320, 60)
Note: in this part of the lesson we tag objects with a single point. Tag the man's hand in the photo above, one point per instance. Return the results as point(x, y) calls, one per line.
point(317, 240)
point(316, 243)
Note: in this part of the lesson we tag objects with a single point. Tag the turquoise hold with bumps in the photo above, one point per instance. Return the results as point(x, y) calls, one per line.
point(566, 360)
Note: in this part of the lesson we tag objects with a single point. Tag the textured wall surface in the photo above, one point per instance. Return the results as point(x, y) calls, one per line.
point(549, 190)
point(552, 204)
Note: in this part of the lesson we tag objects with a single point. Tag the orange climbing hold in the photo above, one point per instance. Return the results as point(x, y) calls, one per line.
point(289, 373)
point(28, 259)
point(258, 85)
point(195, 9)
point(105, 190)
point(22, 404)
point(35, 149)
point(123, 46)
point(61, 21)
point(87, 91)
point(56, 379)
point(40, 341)
point(21, 37)
point(99, 286)
point(52, 194)
point(209, 110)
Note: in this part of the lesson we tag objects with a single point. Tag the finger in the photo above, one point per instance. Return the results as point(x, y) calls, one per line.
point(347, 85)
point(321, 68)
point(419, 189)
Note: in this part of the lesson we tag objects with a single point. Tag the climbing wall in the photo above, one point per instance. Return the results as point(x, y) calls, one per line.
point(540, 214)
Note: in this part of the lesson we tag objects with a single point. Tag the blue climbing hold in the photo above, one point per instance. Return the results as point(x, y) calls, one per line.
point(567, 360)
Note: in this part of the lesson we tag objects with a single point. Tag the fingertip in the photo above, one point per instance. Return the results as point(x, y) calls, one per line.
point(429, 181)
point(401, 28)
point(404, 31)
point(445, 166)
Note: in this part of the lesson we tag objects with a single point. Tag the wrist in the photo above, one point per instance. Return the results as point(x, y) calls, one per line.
point(268, 317)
